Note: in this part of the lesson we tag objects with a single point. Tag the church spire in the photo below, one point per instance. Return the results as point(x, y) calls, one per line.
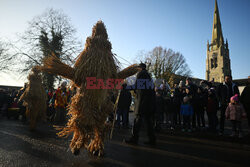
point(217, 36)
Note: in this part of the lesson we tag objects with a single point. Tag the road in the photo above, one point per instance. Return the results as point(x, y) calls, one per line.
point(20, 147)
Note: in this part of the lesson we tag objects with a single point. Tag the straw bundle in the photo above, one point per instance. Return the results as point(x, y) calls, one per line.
point(34, 98)
point(89, 108)
point(53, 65)
point(130, 70)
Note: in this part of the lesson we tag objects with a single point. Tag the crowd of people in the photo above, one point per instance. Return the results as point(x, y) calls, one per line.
point(191, 107)
point(189, 104)
point(57, 101)
point(184, 106)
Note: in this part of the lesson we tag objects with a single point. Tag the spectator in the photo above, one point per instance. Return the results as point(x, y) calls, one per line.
point(200, 104)
point(144, 107)
point(188, 93)
point(3, 101)
point(22, 108)
point(224, 92)
point(176, 102)
point(123, 106)
point(211, 108)
point(159, 109)
point(245, 99)
point(193, 94)
point(186, 112)
point(235, 112)
point(165, 87)
point(60, 99)
point(50, 109)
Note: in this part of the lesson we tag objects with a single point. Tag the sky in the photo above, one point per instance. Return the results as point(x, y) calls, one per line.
point(140, 25)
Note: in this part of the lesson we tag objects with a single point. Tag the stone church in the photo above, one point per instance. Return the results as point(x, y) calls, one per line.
point(218, 61)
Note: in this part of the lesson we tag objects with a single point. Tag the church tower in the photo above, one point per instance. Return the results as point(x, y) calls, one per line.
point(218, 61)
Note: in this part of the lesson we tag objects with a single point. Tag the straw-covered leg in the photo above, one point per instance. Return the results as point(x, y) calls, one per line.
point(96, 146)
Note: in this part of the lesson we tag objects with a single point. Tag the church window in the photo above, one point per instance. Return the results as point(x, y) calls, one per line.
point(215, 62)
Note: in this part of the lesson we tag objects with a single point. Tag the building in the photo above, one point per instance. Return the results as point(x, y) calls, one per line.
point(218, 61)
point(9, 88)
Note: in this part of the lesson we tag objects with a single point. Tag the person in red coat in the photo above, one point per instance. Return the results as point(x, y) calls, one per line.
point(211, 108)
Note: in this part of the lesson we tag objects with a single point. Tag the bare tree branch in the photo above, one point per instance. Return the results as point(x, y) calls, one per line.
point(165, 63)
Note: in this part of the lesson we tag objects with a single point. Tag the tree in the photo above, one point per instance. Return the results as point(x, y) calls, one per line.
point(165, 63)
point(51, 32)
point(3, 55)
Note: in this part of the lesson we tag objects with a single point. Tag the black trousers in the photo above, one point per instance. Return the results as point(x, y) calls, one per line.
point(149, 120)
point(222, 117)
point(194, 117)
point(186, 121)
point(248, 117)
point(200, 117)
point(212, 120)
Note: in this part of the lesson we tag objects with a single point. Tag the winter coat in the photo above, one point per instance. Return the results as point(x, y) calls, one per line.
point(124, 99)
point(245, 98)
point(235, 112)
point(159, 104)
point(145, 98)
point(187, 110)
point(60, 98)
point(199, 101)
point(193, 89)
point(212, 104)
point(177, 97)
point(223, 93)
point(3, 98)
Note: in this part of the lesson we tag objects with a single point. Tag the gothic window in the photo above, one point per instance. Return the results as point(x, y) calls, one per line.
point(212, 63)
point(215, 62)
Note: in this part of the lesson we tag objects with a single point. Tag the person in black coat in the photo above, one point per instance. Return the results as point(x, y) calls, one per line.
point(144, 106)
point(3, 101)
point(200, 101)
point(211, 109)
point(124, 105)
point(224, 92)
point(159, 109)
point(177, 100)
point(193, 94)
point(245, 100)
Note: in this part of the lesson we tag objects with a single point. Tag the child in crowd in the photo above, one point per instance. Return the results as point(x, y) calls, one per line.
point(15, 103)
point(186, 112)
point(211, 107)
point(235, 112)
point(159, 108)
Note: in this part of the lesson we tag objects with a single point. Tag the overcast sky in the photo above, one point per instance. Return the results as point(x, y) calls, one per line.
point(135, 25)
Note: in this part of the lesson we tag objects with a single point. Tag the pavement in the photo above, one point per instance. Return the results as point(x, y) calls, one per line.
point(20, 147)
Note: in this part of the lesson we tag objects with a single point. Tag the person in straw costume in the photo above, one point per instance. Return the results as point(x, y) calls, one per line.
point(35, 99)
point(89, 108)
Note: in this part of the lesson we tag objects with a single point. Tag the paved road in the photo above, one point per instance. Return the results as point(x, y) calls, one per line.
point(20, 147)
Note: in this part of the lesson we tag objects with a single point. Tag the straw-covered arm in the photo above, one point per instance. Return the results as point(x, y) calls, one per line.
point(54, 65)
point(127, 72)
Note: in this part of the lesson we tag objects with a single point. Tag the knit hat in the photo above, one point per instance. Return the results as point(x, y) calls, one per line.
point(235, 98)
